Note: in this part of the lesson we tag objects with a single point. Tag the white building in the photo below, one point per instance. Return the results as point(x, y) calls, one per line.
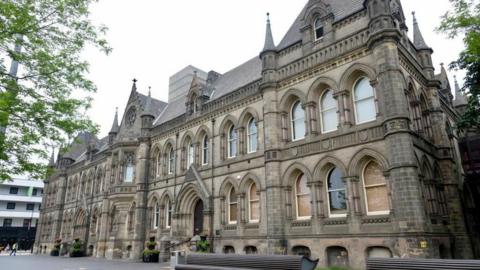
point(20, 202)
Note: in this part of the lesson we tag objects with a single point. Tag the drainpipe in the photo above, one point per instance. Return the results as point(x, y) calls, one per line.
point(212, 233)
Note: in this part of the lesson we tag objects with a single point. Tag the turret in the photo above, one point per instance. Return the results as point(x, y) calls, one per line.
point(51, 162)
point(381, 17)
point(460, 101)
point(269, 55)
point(424, 52)
point(114, 130)
point(148, 114)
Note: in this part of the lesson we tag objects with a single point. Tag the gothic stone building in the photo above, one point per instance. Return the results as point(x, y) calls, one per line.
point(335, 143)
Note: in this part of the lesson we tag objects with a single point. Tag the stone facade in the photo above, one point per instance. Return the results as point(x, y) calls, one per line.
point(250, 160)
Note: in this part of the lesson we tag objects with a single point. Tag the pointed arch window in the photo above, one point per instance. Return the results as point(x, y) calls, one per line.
point(190, 153)
point(364, 101)
point(375, 190)
point(253, 204)
point(232, 142)
point(156, 215)
point(337, 196)
point(128, 176)
point(252, 136)
point(168, 214)
point(205, 150)
point(232, 206)
point(319, 32)
point(171, 161)
point(302, 197)
point(298, 121)
point(328, 111)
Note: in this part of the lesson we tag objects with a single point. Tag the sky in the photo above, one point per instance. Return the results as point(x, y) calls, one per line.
point(154, 39)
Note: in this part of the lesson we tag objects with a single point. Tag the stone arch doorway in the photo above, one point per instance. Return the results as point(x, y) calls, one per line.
point(192, 215)
point(198, 218)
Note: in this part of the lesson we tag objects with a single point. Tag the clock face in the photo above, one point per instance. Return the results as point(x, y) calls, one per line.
point(131, 116)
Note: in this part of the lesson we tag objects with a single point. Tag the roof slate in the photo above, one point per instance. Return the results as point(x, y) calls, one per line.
point(251, 70)
point(340, 9)
point(234, 79)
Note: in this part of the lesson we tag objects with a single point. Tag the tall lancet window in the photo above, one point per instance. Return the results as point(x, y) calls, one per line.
point(171, 161)
point(298, 121)
point(232, 207)
point(168, 214)
point(329, 112)
point(318, 29)
point(364, 100)
point(205, 150)
point(128, 177)
point(232, 142)
point(252, 136)
point(190, 153)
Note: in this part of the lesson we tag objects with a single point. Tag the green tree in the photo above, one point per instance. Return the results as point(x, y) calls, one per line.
point(37, 105)
point(464, 20)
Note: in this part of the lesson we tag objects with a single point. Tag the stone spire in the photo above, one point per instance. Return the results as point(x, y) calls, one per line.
point(133, 92)
point(460, 99)
point(51, 162)
point(269, 44)
point(115, 126)
point(148, 110)
point(418, 40)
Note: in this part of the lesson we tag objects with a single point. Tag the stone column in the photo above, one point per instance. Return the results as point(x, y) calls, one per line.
point(141, 180)
point(407, 195)
point(102, 237)
point(275, 203)
point(312, 118)
point(59, 203)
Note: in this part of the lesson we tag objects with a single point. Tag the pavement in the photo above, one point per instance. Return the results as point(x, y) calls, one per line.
point(44, 262)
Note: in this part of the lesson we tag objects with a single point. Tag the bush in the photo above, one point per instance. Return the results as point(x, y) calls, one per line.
point(77, 249)
point(151, 255)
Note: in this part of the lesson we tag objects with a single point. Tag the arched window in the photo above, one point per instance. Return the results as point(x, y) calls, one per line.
point(232, 142)
point(298, 121)
point(190, 153)
point(328, 111)
point(375, 187)
point(318, 29)
point(232, 207)
point(337, 256)
point(171, 161)
point(379, 252)
point(337, 203)
point(128, 177)
point(205, 150)
point(302, 197)
point(156, 215)
point(229, 250)
point(251, 250)
point(364, 100)
point(252, 139)
point(168, 214)
point(253, 204)
point(301, 251)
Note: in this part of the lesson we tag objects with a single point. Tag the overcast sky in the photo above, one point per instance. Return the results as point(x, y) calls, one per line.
point(153, 39)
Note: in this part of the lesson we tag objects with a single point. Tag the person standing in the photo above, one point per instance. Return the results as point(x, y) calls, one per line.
point(14, 249)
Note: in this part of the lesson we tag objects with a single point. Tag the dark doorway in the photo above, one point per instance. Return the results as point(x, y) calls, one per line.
point(198, 218)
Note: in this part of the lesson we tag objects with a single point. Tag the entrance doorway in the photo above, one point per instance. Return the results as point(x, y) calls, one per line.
point(198, 218)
